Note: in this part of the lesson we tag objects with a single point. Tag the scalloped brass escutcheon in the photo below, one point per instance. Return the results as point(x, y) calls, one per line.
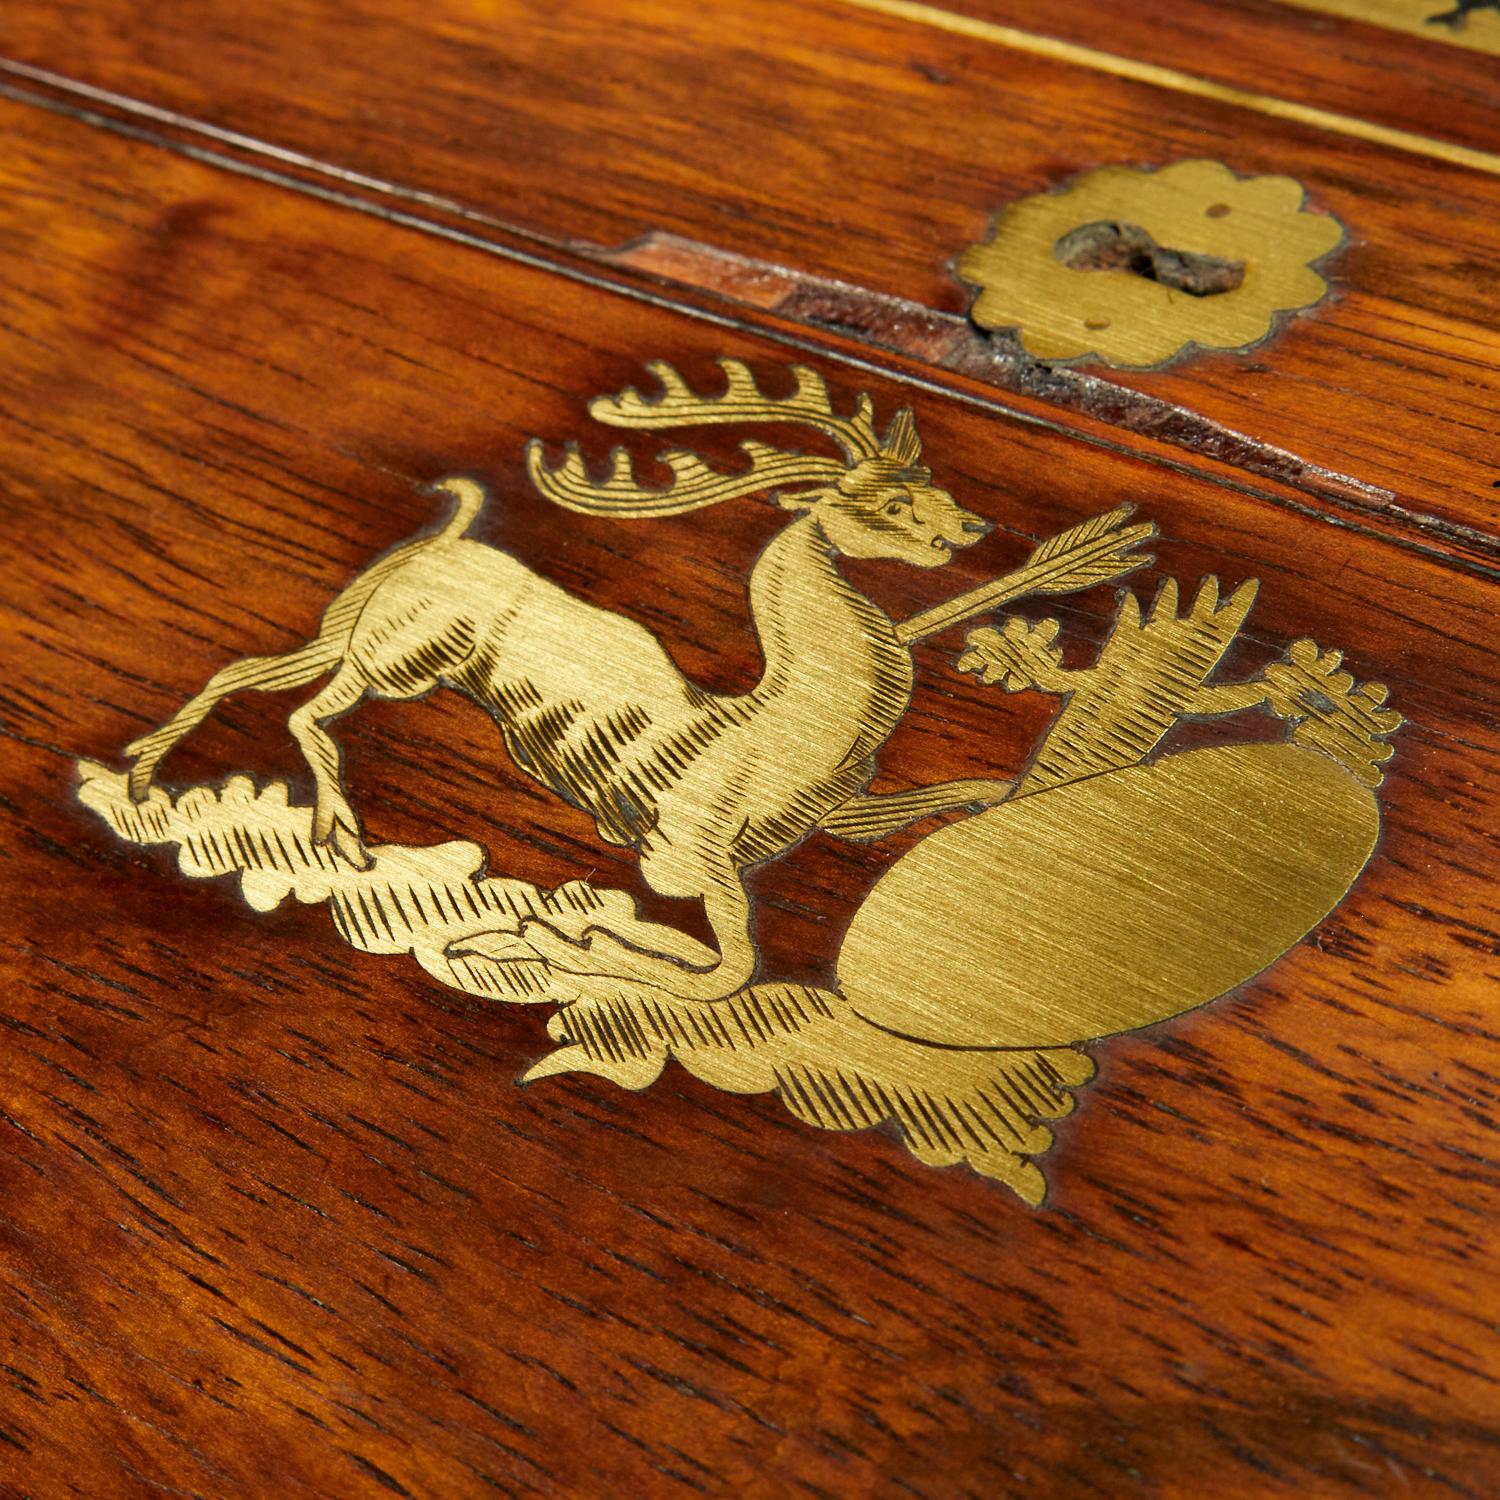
point(1133, 266)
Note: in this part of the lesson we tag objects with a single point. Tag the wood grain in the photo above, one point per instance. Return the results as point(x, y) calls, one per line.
point(855, 148)
point(1298, 52)
point(275, 1215)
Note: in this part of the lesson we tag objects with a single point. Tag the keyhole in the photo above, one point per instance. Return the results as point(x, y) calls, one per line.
point(1107, 245)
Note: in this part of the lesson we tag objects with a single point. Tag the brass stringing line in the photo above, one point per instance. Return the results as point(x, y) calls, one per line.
point(1478, 32)
point(1183, 83)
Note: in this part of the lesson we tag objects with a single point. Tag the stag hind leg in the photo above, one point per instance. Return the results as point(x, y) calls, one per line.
point(270, 674)
point(604, 958)
point(334, 822)
point(260, 674)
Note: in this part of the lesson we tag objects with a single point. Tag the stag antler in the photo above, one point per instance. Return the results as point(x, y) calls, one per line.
point(694, 484)
point(809, 405)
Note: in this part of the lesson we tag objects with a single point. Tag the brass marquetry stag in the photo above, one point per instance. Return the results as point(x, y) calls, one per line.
point(591, 705)
point(1111, 881)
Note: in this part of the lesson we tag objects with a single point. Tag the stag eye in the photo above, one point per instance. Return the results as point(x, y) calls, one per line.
point(897, 507)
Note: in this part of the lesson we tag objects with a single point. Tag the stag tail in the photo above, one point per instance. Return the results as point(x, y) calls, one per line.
point(694, 484)
point(468, 496)
point(274, 674)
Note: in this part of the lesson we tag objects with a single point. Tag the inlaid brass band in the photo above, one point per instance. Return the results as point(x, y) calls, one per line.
point(1180, 82)
point(1462, 23)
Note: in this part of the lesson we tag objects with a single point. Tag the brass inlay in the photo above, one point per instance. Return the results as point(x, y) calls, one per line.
point(1133, 265)
point(1102, 886)
point(1466, 23)
point(1184, 83)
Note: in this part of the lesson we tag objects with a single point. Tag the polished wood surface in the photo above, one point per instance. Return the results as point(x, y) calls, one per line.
point(1303, 53)
point(274, 1217)
point(850, 147)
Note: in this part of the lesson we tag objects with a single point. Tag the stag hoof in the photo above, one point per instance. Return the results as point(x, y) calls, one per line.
point(139, 780)
point(338, 828)
point(351, 847)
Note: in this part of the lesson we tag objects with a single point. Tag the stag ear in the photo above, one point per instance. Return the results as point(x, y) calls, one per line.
point(901, 445)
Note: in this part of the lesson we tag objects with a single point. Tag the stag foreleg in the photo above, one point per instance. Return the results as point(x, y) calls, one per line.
point(868, 817)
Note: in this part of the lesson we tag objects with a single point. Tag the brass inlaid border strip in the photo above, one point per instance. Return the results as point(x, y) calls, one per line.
point(1183, 83)
point(1479, 32)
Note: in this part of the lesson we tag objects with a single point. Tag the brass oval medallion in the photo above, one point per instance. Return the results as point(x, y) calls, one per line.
point(1189, 876)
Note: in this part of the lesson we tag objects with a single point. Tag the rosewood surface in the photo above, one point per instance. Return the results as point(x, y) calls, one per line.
point(1422, 84)
point(275, 1218)
point(271, 1209)
point(851, 147)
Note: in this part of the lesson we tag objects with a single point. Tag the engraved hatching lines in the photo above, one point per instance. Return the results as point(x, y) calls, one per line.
point(1145, 679)
point(829, 1067)
point(997, 1112)
point(742, 1021)
point(981, 1107)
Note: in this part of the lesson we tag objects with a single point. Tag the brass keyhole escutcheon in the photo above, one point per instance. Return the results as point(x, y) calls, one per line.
point(1107, 245)
point(1135, 266)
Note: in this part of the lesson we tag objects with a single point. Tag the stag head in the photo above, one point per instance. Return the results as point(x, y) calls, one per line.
point(878, 501)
